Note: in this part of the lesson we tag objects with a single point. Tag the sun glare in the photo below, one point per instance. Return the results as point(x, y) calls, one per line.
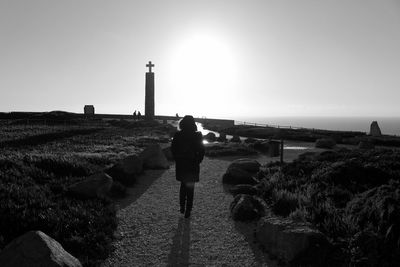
point(203, 70)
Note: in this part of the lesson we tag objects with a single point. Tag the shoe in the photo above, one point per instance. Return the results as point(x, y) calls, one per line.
point(182, 210)
point(187, 214)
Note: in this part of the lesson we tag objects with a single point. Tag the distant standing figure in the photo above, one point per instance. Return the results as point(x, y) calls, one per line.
point(139, 116)
point(177, 115)
point(188, 151)
point(134, 115)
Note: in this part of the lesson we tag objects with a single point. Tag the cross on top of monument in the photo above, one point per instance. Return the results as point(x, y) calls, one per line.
point(150, 65)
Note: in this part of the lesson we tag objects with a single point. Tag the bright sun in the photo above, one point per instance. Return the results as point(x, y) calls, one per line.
point(203, 71)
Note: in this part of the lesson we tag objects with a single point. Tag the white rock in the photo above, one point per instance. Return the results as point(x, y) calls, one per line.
point(97, 185)
point(35, 248)
point(154, 158)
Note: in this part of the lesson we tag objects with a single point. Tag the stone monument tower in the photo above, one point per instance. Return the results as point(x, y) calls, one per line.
point(374, 129)
point(149, 97)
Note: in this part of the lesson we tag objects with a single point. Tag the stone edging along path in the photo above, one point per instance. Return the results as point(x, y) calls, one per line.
point(152, 232)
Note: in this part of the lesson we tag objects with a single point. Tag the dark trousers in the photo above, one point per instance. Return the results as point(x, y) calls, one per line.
point(186, 193)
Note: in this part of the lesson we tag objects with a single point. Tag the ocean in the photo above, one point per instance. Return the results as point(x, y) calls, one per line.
point(388, 125)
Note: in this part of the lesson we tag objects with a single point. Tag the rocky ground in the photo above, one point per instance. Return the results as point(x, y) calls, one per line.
point(152, 232)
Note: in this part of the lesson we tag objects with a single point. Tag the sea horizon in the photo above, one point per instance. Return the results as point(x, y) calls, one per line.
point(388, 125)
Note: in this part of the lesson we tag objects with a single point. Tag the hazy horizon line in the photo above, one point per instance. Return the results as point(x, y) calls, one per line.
point(223, 116)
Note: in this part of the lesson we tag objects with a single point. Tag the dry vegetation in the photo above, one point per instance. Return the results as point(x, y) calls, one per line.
point(38, 163)
point(312, 135)
point(353, 196)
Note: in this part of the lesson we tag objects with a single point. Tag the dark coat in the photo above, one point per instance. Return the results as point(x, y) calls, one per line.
point(188, 151)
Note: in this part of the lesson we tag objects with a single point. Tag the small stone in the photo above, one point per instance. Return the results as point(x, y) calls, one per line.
point(222, 137)
point(235, 139)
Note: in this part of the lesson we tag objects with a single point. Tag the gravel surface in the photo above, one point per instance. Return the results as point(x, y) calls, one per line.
point(152, 232)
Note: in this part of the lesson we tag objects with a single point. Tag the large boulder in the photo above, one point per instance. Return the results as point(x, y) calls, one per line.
point(247, 208)
point(210, 137)
point(292, 241)
point(126, 170)
point(154, 158)
point(235, 175)
point(243, 189)
point(35, 248)
point(97, 185)
point(374, 129)
point(241, 171)
point(250, 165)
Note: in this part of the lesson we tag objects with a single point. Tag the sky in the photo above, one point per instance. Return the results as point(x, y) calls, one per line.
point(219, 59)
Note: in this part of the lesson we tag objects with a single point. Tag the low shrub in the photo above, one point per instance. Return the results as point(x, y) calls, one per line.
point(284, 202)
point(352, 196)
point(299, 215)
point(328, 143)
point(46, 137)
point(63, 167)
point(33, 197)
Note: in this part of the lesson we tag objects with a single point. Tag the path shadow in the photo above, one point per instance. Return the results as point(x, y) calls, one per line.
point(180, 250)
point(247, 229)
point(141, 185)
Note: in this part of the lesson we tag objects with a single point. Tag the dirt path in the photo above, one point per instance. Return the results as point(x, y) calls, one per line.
point(152, 232)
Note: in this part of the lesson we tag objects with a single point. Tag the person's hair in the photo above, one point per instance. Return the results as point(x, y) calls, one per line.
point(187, 124)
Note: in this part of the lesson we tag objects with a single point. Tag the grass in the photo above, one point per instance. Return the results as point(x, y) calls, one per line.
point(33, 196)
point(352, 196)
point(38, 163)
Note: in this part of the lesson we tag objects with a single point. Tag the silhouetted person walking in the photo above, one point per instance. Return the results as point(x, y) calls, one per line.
point(188, 151)
point(139, 115)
